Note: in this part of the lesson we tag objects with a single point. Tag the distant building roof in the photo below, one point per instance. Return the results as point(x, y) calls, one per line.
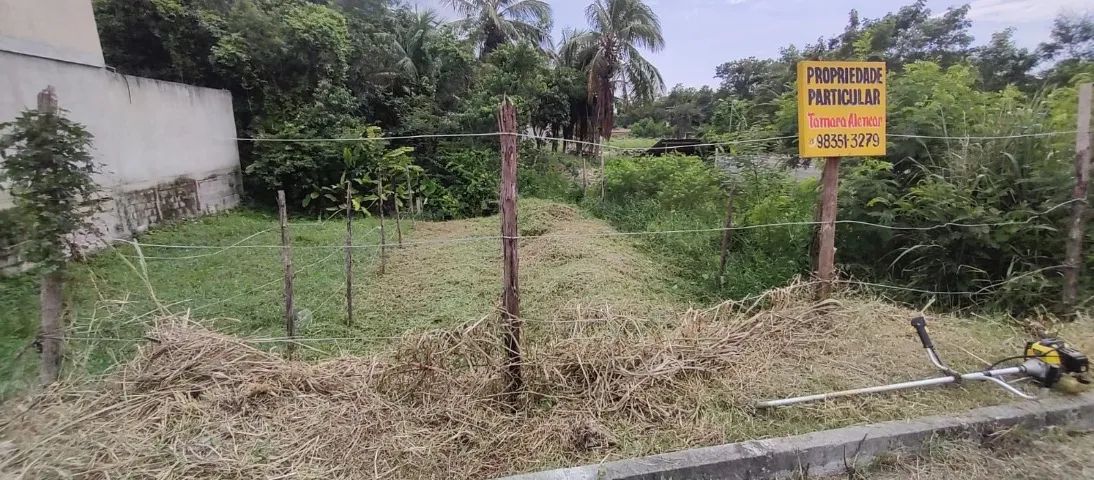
point(683, 146)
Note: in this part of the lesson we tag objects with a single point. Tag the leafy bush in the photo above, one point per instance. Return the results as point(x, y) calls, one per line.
point(675, 193)
point(650, 128)
point(548, 175)
point(300, 168)
point(471, 178)
point(1000, 185)
point(673, 181)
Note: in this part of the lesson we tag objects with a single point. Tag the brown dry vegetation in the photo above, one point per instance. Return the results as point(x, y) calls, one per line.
point(616, 366)
point(1010, 454)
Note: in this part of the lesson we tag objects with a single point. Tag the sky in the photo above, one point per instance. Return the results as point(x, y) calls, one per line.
point(701, 34)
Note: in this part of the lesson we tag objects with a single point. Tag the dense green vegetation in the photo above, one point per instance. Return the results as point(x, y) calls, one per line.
point(940, 85)
point(353, 68)
point(672, 193)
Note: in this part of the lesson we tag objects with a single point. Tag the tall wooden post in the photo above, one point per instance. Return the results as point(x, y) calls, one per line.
point(826, 251)
point(603, 173)
point(726, 236)
point(286, 261)
point(584, 175)
point(51, 291)
point(349, 253)
point(1079, 194)
point(507, 125)
point(383, 234)
point(398, 216)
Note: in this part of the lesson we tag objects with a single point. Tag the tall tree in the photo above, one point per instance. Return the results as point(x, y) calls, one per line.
point(611, 57)
point(1072, 39)
point(1002, 63)
point(491, 23)
point(410, 43)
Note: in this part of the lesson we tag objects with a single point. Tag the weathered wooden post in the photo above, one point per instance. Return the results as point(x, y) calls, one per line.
point(507, 125)
point(1079, 195)
point(826, 251)
point(727, 233)
point(383, 234)
point(286, 262)
point(51, 293)
point(349, 253)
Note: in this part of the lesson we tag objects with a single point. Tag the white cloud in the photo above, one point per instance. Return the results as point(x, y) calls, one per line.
point(1025, 11)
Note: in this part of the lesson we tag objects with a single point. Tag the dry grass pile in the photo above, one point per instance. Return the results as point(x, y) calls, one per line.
point(199, 404)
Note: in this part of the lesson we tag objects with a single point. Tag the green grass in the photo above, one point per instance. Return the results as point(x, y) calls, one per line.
point(632, 142)
point(237, 290)
point(440, 280)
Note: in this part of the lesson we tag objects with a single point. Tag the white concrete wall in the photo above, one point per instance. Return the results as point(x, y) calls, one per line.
point(58, 29)
point(167, 149)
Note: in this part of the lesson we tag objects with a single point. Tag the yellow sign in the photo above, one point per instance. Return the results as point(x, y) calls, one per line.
point(841, 109)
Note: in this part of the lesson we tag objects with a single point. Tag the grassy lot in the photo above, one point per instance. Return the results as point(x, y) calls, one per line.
point(632, 142)
point(235, 290)
point(619, 364)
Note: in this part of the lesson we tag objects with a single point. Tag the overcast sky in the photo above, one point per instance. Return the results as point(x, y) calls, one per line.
point(700, 34)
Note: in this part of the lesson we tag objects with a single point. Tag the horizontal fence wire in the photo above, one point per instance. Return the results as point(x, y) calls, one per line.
point(631, 149)
point(262, 340)
point(870, 285)
point(240, 245)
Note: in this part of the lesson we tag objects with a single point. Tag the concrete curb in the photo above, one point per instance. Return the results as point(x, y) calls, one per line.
point(825, 452)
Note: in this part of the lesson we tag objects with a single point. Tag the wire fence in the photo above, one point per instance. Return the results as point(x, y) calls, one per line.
point(269, 287)
point(608, 146)
point(385, 338)
point(219, 249)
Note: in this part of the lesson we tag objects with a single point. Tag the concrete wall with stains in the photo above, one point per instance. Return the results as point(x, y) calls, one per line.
point(58, 29)
point(167, 149)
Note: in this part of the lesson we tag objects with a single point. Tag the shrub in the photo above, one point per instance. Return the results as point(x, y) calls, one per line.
point(673, 181)
point(682, 193)
point(650, 128)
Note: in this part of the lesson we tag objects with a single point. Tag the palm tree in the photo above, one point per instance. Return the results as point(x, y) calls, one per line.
point(410, 41)
point(610, 56)
point(494, 22)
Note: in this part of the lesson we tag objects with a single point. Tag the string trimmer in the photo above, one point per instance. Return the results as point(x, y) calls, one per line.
point(1049, 362)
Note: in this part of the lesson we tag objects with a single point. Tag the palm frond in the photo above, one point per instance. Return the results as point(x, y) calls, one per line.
point(464, 7)
point(644, 78)
point(579, 49)
point(530, 11)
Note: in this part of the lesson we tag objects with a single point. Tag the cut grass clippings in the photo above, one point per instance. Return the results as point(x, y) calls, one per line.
point(616, 366)
point(1011, 454)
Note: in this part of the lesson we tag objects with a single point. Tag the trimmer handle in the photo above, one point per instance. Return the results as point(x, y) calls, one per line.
point(920, 325)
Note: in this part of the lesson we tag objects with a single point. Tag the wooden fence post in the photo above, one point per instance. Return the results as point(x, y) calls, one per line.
point(398, 216)
point(1079, 195)
point(349, 253)
point(51, 291)
point(286, 261)
point(826, 252)
point(603, 173)
point(726, 235)
point(584, 175)
point(383, 235)
point(507, 125)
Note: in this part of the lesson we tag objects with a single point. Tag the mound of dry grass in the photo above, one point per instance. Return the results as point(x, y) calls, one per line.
point(615, 366)
point(195, 403)
point(199, 404)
